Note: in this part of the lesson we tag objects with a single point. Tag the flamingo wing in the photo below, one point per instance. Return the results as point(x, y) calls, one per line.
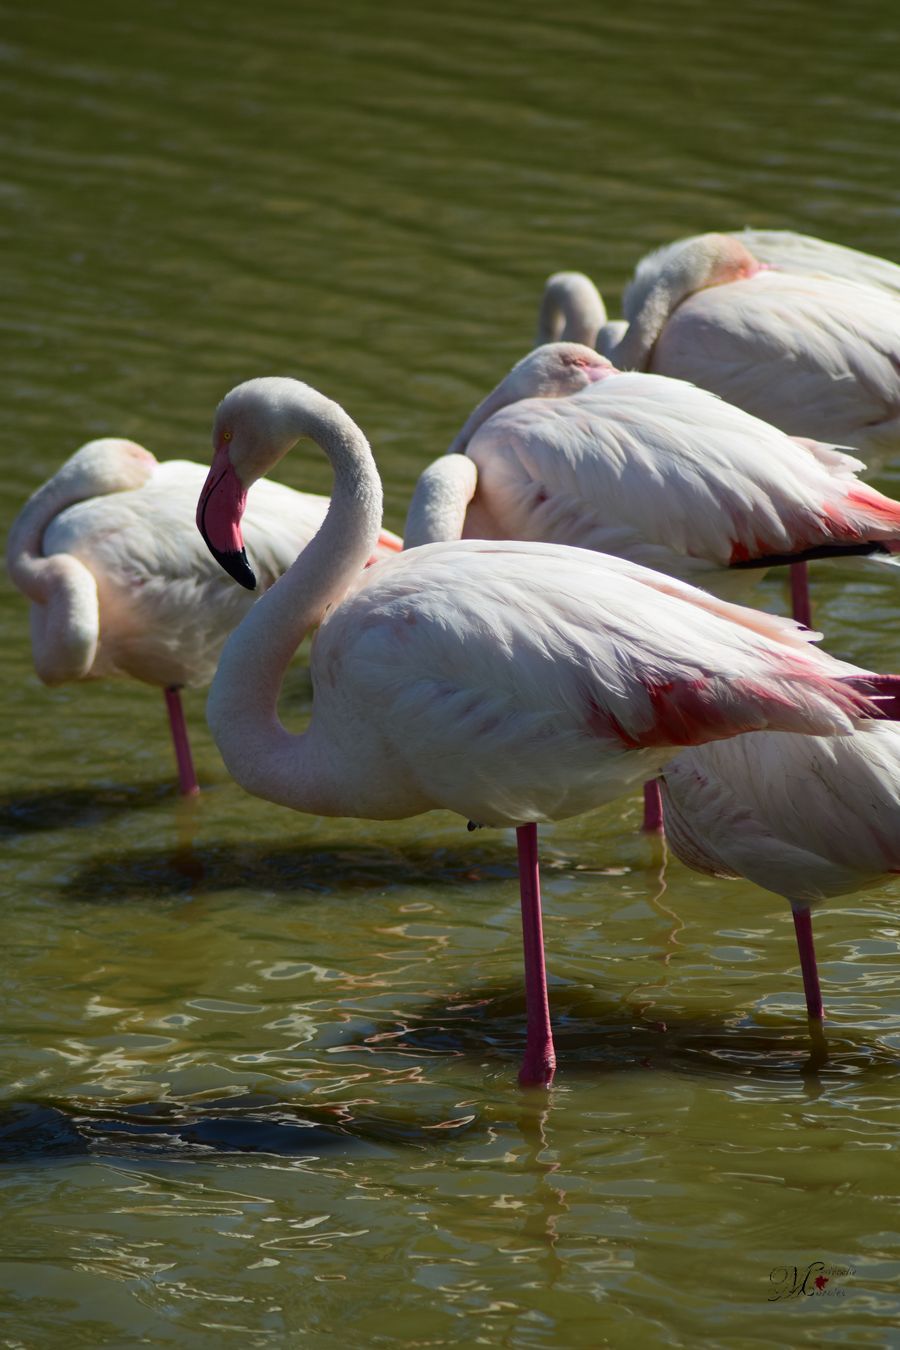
point(815, 356)
point(663, 473)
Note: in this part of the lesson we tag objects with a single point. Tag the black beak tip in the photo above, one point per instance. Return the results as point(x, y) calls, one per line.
point(236, 565)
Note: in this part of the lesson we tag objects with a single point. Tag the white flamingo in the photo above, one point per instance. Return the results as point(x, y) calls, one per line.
point(817, 355)
point(510, 682)
point(119, 583)
point(807, 817)
point(650, 469)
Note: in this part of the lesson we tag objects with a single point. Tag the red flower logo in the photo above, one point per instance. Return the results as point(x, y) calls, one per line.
point(820, 1282)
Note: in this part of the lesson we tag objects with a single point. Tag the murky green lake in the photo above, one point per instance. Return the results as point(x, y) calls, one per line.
point(259, 1082)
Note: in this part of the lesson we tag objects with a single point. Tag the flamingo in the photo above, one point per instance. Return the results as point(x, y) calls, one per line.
point(119, 583)
point(648, 468)
point(511, 682)
point(817, 355)
point(733, 808)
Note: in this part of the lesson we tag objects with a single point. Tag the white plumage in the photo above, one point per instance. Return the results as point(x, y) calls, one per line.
point(817, 355)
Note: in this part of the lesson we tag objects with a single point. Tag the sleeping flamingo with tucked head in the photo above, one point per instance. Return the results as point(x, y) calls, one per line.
point(511, 682)
point(807, 817)
point(817, 355)
point(107, 553)
point(650, 469)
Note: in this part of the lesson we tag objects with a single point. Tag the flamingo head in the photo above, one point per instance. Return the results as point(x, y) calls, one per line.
point(254, 427)
point(554, 370)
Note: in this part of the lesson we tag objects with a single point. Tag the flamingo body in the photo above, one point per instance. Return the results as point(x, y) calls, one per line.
point(658, 471)
point(807, 817)
point(522, 682)
point(817, 355)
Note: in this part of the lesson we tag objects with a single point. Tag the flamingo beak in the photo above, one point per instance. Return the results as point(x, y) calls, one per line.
point(219, 510)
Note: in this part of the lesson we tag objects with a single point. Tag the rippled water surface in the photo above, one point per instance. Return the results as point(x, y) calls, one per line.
point(260, 1068)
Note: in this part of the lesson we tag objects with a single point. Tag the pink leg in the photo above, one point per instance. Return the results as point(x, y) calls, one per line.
point(539, 1064)
point(653, 808)
point(187, 778)
point(803, 929)
point(800, 606)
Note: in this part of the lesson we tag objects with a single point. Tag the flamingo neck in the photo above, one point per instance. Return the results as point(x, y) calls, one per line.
point(572, 310)
point(437, 512)
point(667, 278)
point(242, 709)
point(99, 467)
point(29, 570)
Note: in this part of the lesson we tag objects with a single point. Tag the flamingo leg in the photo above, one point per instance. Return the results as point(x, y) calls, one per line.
point(539, 1064)
point(801, 609)
point(653, 808)
point(803, 929)
point(187, 778)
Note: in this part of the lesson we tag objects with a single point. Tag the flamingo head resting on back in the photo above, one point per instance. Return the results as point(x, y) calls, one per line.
point(555, 370)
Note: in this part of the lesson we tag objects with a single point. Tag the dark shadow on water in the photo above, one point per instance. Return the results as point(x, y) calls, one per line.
point(286, 869)
point(597, 1036)
point(32, 1131)
point(60, 808)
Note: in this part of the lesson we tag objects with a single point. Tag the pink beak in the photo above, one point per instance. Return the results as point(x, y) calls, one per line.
point(219, 511)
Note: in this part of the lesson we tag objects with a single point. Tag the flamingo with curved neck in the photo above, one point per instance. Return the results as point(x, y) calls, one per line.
point(510, 682)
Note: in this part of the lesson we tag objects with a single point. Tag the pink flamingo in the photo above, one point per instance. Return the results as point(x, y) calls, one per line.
point(817, 355)
point(807, 817)
point(650, 469)
point(510, 682)
point(119, 583)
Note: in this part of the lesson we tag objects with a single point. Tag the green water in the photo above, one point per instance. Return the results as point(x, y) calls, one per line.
point(260, 1068)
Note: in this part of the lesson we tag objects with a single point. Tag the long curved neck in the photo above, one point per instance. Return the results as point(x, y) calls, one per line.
point(571, 310)
point(437, 511)
point(242, 709)
point(667, 278)
point(28, 569)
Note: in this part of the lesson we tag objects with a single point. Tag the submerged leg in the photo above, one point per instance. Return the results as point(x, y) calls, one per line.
point(803, 929)
point(539, 1064)
point(653, 808)
point(800, 606)
point(187, 778)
